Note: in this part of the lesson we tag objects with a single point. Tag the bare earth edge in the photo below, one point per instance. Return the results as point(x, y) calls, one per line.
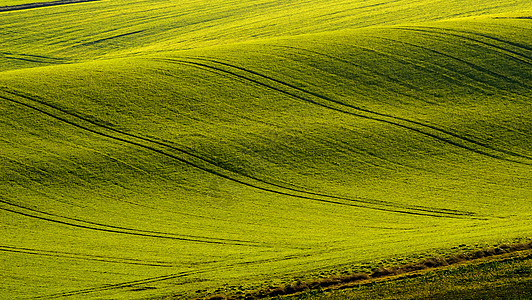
point(347, 281)
point(41, 4)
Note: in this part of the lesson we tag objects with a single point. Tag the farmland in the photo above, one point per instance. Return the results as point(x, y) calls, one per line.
point(163, 148)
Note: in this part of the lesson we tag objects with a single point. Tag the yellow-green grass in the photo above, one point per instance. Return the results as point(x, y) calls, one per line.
point(113, 27)
point(500, 278)
point(20, 2)
point(152, 148)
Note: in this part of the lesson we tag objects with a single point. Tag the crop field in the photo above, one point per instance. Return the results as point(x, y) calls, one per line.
point(178, 149)
point(26, 4)
point(507, 277)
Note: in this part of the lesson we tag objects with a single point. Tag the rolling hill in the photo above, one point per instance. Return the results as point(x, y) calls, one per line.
point(156, 148)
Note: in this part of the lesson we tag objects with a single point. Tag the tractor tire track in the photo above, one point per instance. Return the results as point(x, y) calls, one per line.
point(32, 213)
point(130, 284)
point(397, 81)
point(516, 45)
point(110, 38)
point(79, 256)
point(375, 116)
point(421, 67)
point(478, 68)
point(286, 191)
point(433, 127)
point(517, 56)
point(390, 78)
point(35, 57)
point(41, 4)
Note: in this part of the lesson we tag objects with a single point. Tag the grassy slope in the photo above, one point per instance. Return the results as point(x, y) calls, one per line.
point(19, 2)
point(185, 146)
point(500, 278)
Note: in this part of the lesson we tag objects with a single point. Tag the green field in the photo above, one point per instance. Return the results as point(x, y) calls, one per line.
point(180, 148)
point(11, 3)
point(502, 278)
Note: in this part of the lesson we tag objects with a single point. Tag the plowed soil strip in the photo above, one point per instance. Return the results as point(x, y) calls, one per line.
point(41, 4)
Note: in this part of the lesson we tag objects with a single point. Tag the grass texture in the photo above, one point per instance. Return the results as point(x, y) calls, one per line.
point(155, 148)
point(504, 278)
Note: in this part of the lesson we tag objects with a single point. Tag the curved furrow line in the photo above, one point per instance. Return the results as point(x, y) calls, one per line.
point(41, 4)
point(514, 44)
point(359, 199)
point(127, 284)
point(378, 113)
point(120, 230)
point(361, 202)
point(392, 79)
point(517, 45)
point(368, 70)
point(363, 110)
point(423, 67)
point(61, 59)
point(520, 56)
point(358, 115)
point(102, 229)
point(437, 31)
point(469, 64)
point(96, 258)
point(24, 59)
